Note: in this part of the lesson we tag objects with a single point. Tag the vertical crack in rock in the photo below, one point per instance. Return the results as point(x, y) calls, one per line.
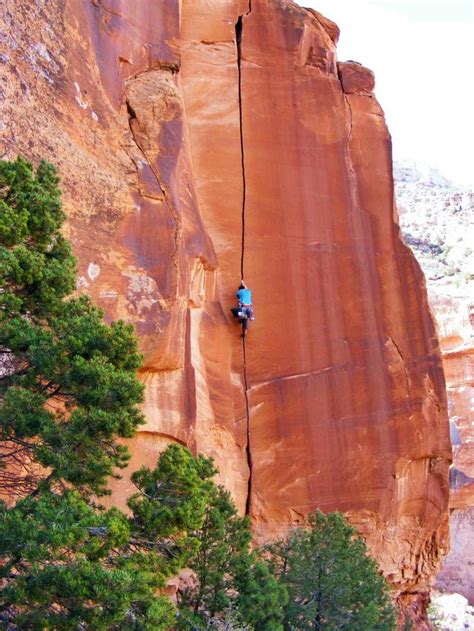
point(248, 448)
point(238, 41)
point(349, 137)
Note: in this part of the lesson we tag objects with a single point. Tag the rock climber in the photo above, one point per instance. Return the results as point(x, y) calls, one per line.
point(244, 310)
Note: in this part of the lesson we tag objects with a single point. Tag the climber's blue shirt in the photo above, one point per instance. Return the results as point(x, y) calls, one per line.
point(245, 296)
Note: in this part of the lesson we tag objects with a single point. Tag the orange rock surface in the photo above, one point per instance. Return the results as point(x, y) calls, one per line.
point(201, 140)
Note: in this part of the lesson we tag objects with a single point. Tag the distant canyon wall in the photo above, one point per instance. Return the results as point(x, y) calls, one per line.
point(456, 318)
point(437, 219)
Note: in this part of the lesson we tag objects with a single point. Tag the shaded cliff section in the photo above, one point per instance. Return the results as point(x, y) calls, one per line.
point(457, 572)
point(456, 323)
point(174, 139)
point(437, 220)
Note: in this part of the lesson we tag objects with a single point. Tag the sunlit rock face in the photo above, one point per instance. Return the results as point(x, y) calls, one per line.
point(199, 141)
point(437, 219)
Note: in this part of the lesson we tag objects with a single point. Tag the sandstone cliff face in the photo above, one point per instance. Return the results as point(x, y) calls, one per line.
point(201, 140)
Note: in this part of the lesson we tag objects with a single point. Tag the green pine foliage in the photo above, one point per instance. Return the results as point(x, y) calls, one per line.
point(68, 385)
point(169, 508)
point(224, 538)
point(67, 565)
point(228, 574)
point(332, 582)
point(260, 597)
point(36, 265)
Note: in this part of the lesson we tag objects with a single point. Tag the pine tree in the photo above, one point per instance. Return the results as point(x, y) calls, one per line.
point(229, 574)
point(261, 599)
point(67, 565)
point(332, 582)
point(224, 538)
point(68, 385)
point(169, 508)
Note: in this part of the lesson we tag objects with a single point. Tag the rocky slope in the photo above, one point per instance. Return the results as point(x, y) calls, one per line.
point(199, 141)
point(451, 612)
point(437, 219)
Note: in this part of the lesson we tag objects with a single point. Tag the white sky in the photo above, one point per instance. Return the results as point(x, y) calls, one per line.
point(422, 53)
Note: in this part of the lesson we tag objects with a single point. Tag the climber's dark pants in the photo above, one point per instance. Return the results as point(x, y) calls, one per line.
point(243, 312)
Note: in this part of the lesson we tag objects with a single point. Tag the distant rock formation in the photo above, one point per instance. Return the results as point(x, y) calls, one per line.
point(451, 611)
point(413, 172)
point(200, 141)
point(437, 219)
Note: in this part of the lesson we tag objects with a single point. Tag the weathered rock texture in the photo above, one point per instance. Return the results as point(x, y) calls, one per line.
point(457, 571)
point(437, 218)
point(196, 139)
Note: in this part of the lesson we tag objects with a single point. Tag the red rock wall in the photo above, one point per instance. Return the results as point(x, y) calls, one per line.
point(196, 137)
